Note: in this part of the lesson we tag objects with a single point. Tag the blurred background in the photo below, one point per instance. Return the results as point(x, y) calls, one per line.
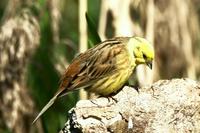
point(39, 38)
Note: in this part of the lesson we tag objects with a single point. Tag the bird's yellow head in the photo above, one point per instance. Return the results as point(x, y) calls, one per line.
point(143, 51)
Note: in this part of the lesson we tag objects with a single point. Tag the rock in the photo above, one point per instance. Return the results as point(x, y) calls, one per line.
point(166, 106)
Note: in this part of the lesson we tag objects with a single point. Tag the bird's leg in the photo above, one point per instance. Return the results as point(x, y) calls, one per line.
point(133, 86)
point(110, 99)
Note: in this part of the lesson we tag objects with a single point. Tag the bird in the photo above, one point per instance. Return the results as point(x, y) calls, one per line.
point(104, 68)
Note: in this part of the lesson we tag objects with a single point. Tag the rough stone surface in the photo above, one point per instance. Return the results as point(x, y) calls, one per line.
point(166, 106)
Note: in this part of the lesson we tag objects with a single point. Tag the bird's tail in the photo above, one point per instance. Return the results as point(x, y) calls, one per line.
point(48, 105)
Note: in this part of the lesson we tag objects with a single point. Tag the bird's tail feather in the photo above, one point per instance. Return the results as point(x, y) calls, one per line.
point(47, 106)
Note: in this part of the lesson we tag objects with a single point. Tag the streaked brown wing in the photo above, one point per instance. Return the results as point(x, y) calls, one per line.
point(92, 65)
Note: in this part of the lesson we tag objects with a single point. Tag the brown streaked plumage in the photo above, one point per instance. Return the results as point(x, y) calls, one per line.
point(104, 68)
point(94, 65)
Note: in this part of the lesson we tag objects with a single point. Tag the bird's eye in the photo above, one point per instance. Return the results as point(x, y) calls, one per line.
point(144, 56)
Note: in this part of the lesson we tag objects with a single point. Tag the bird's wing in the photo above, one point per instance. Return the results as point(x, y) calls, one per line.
point(92, 65)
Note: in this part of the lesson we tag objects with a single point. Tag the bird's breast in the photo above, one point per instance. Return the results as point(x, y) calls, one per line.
point(113, 82)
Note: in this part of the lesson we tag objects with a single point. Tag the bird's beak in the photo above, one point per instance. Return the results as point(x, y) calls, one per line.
point(149, 64)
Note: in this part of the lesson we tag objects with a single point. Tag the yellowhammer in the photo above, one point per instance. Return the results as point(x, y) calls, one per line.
point(105, 68)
